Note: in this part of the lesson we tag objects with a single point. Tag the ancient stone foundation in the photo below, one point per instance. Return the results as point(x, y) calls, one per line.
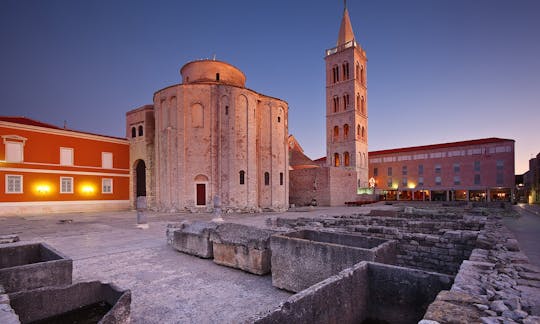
point(366, 291)
point(44, 303)
point(303, 258)
point(28, 266)
point(192, 238)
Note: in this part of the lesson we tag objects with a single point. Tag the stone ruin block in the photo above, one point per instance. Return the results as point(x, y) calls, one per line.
point(192, 237)
point(28, 266)
point(364, 293)
point(94, 302)
point(303, 258)
point(243, 247)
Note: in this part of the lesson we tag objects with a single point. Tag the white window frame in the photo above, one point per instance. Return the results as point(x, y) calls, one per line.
point(7, 191)
point(66, 149)
point(106, 163)
point(62, 187)
point(20, 154)
point(104, 186)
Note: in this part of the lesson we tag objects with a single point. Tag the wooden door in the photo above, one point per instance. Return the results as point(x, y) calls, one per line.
point(201, 194)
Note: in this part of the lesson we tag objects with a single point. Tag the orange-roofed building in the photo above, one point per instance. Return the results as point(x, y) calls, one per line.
point(45, 168)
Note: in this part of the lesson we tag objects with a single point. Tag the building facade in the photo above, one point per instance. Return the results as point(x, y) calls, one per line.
point(346, 104)
point(531, 181)
point(334, 180)
point(210, 140)
point(44, 168)
point(475, 170)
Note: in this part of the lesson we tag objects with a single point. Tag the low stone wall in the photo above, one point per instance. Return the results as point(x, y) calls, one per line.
point(496, 285)
point(243, 247)
point(28, 266)
point(7, 314)
point(42, 303)
point(427, 240)
point(365, 291)
point(192, 237)
point(301, 259)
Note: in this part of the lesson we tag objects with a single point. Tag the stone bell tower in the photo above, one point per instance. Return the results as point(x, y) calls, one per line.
point(346, 104)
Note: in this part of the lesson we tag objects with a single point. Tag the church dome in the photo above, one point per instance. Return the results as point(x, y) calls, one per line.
point(204, 71)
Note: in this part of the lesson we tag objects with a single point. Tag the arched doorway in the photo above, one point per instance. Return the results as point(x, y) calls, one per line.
point(140, 178)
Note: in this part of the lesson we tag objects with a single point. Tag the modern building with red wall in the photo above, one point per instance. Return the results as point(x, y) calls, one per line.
point(44, 168)
point(475, 170)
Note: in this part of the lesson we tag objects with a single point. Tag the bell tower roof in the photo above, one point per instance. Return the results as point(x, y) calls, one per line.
point(346, 33)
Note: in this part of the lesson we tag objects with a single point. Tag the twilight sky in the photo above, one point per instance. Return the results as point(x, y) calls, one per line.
point(438, 70)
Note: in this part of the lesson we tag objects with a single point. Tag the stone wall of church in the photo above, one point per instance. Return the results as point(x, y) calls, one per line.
point(227, 139)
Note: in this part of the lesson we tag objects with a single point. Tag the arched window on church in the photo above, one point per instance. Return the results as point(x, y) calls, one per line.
point(141, 132)
point(133, 132)
point(345, 68)
point(357, 101)
point(346, 101)
point(336, 104)
point(336, 159)
point(197, 115)
point(242, 177)
point(362, 78)
point(335, 73)
point(358, 71)
point(363, 105)
point(266, 179)
point(358, 130)
point(346, 131)
point(363, 132)
point(364, 159)
point(346, 159)
point(336, 133)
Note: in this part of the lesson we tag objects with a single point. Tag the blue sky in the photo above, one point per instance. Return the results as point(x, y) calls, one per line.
point(438, 70)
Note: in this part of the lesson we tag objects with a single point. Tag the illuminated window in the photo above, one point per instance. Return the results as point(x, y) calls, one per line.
point(346, 159)
point(266, 179)
point(242, 177)
point(66, 185)
point(14, 183)
point(14, 152)
point(106, 160)
point(106, 186)
point(336, 159)
point(66, 156)
point(336, 133)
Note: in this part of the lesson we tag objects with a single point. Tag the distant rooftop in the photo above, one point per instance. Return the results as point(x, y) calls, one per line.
point(32, 122)
point(481, 141)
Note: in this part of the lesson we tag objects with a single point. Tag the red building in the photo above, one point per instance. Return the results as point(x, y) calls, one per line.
point(475, 170)
point(44, 168)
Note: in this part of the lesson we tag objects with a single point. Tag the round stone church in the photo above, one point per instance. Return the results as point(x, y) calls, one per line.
point(210, 140)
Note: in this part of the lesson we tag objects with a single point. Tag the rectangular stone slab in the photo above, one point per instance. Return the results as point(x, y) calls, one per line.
point(27, 266)
point(243, 247)
point(42, 303)
point(303, 258)
point(192, 238)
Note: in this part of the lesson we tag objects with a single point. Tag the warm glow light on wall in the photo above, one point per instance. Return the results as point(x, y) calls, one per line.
point(43, 188)
point(87, 189)
point(411, 185)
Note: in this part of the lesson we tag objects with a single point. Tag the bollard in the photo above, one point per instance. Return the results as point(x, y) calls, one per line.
point(141, 212)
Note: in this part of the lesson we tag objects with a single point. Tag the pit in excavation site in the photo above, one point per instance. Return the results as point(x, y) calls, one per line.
point(303, 258)
point(82, 303)
point(29, 266)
